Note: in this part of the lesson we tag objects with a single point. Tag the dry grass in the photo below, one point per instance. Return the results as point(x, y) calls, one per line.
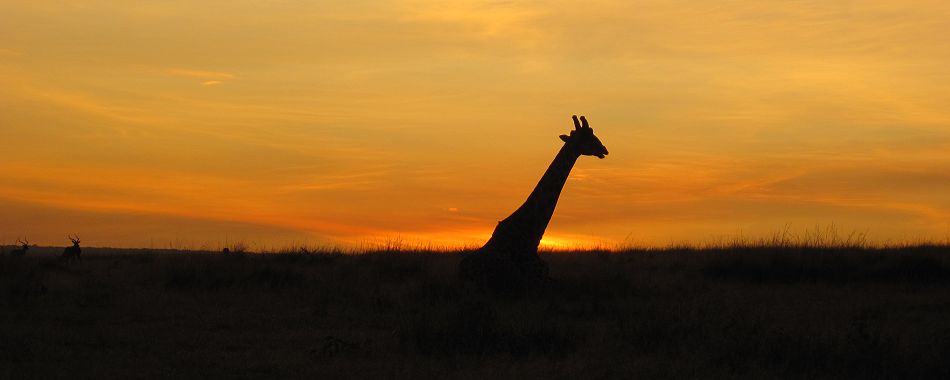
point(753, 310)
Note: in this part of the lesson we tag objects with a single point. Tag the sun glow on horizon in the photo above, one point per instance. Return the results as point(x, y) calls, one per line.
point(342, 123)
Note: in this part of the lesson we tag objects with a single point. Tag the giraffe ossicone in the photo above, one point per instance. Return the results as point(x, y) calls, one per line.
point(509, 260)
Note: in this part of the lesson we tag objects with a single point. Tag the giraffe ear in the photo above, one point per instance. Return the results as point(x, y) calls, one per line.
point(565, 138)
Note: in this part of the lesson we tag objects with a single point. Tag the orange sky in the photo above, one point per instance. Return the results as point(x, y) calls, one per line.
point(277, 122)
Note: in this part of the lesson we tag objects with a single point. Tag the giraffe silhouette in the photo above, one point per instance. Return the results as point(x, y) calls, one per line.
point(509, 260)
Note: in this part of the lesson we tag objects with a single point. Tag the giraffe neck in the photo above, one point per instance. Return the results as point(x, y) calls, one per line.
point(521, 232)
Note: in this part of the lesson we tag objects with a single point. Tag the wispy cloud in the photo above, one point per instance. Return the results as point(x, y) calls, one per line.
point(194, 196)
point(208, 78)
point(92, 104)
point(201, 74)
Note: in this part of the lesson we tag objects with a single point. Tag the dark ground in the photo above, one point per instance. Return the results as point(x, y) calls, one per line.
point(742, 312)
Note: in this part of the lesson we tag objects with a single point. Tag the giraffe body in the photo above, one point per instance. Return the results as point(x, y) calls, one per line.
point(509, 260)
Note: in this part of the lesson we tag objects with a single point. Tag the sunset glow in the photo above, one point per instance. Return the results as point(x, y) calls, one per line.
point(136, 124)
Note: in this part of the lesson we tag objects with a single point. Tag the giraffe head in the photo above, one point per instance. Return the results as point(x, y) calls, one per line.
point(583, 140)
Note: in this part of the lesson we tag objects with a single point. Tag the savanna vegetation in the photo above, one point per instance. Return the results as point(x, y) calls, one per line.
point(727, 312)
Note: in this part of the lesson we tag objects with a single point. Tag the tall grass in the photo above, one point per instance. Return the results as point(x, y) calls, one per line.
point(819, 304)
point(792, 310)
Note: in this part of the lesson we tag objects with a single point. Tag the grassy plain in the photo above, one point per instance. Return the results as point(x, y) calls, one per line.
point(732, 312)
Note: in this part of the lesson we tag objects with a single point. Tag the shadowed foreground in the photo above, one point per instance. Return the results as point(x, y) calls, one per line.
point(756, 312)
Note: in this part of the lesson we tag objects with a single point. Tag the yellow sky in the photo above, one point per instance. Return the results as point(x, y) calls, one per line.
point(329, 122)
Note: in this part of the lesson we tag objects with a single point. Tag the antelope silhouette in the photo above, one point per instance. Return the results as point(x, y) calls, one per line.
point(74, 252)
point(19, 252)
